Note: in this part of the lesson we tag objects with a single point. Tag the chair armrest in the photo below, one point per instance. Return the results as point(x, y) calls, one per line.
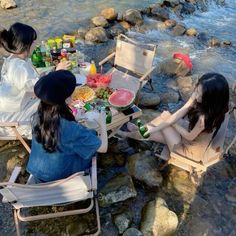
point(94, 173)
point(106, 59)
point(147, 74)
point(8, 124)
point(14, 175)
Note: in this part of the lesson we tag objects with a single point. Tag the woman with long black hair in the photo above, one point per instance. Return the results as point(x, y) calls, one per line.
point(18, 76)
point(60, 145)
point(205, 111)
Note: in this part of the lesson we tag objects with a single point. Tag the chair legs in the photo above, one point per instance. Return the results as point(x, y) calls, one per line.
point(21, 139)
point(18, 217)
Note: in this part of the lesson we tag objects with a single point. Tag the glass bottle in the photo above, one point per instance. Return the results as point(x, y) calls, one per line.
point(93, 69)
point(108, 115)
point(39, 57)
point(142, 129)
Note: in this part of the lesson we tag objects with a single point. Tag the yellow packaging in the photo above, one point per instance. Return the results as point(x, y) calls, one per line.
point(58, 42)
point(51, 43)
point(71, 38)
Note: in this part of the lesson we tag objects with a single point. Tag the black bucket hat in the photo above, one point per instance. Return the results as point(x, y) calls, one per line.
point(55, 87)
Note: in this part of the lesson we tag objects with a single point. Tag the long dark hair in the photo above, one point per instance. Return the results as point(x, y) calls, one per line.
point(214, 104)
point(18, 38)
point(46, 123)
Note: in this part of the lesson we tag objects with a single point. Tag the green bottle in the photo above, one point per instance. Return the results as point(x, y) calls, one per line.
point(34, 59)
point(40, 57)
point(142, 129)
point(108, 115)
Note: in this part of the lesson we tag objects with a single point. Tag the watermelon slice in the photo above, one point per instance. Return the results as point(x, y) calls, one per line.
point(122, 99)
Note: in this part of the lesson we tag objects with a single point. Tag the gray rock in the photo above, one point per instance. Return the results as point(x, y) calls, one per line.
point(214, 43)
point(157, 219)
point(160, 13)
point(81, 32)
point(231, 194)
point(171, 3)
point(118, 189)
point(122, 221)
point(149, 99)
point(117, 29)
point(96, 35)
point(133, 17)
point(170, 96)
point(7, 4)
point(188, 8)
point(132, 232)
point(186, 85)
point(179, 30)
point(109, 14)
point(143, 167)
point(99, 21)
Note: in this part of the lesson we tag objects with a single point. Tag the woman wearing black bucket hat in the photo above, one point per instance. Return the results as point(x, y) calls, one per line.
point(60, 145)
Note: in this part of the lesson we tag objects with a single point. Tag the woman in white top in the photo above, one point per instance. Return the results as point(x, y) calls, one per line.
point(18, 77)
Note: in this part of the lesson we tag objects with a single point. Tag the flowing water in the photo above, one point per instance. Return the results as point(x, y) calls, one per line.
point(55, 17)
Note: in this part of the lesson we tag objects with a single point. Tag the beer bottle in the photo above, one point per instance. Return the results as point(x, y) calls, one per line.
point(40, 57)
point(108, 115)
point(34, 59)
point(142, 129)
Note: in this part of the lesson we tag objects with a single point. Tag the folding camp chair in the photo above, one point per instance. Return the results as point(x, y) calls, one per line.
point(78, 187)
point(214, 153)
point(133, 64)
point(16, 135)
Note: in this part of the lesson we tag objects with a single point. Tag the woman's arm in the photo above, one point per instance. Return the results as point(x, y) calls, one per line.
point(190, 136)
point(172, 119)
point(103, 136)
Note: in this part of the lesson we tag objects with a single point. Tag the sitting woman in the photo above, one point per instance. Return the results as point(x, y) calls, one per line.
point(205, 111)
point(60, 145)
point(18, 76)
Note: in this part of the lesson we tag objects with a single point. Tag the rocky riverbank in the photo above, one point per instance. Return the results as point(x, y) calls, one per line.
point(134, 197)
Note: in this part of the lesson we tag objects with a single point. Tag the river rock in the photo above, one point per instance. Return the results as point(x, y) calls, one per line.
point(157, 219)
point(170, 23)
point(123, 221)
point(143, 167)
point(99, 21)
point(149, 99)
point(186, 85)
point(160, 13)
point(172, 67)
point(133, 17)
point(179, 30)
point(7, 4)
point(81, 32)
point(171, 3)
point(188, 8)
point(169, 96)
point(125, 25)
point(117, 29)
point(191, 32)
point(226, 43)
point(118, 189)
point(214, 43)
point(132, 232)
point(77, 228)
point(96, 35)
point(109, 14)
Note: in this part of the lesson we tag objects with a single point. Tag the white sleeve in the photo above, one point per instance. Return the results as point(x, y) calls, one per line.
point(25, 77)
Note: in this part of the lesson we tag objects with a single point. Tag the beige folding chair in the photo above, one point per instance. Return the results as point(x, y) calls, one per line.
point(133, 64)
point(78, 187)
point(214, 153)
point(17, 136)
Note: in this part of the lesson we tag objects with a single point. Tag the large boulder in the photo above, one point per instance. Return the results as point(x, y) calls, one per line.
point(160, 13)
point(7, 4)
point(149, 99)
point(109, 14)
point(143, 167)
point(157, 219)
point(117, 29)
point(169, 96)
point(96, 35)
point(119, 188)
point(99, 21)
point(133, 17)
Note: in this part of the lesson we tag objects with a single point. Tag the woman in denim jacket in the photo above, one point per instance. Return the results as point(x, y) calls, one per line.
point(60, 145)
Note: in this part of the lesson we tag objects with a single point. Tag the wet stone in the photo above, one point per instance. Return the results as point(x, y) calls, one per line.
point(132, 232)
point(122, 221)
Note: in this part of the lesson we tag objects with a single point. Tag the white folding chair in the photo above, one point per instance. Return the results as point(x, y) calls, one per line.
point(78, 187)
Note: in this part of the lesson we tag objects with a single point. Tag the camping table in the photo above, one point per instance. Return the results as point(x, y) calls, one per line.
point(119, 118)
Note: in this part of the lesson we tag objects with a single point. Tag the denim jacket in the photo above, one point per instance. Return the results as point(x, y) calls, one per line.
point(75, 149)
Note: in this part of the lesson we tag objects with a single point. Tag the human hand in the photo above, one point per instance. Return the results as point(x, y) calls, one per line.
point(192, 99)
point(64, 65)
point(101, 118)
